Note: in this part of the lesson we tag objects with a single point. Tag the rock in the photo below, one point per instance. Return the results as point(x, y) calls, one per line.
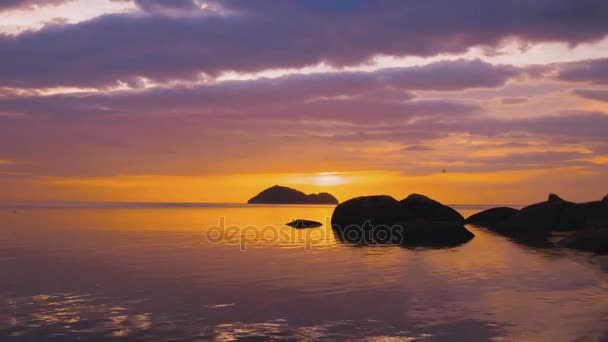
point(408, 234)
point(284, 195)
point(605, 199)
point(592, 214)
point(590, 240)
point(300, 224)
point(554, 198)
point(435, 233)
point(419, 207)
point(378, 210)
point(555, 214)
point(492, 217)
point(322, 198)
point(415, 221)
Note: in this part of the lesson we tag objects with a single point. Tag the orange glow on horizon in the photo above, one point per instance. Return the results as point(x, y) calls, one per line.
point(505, 187)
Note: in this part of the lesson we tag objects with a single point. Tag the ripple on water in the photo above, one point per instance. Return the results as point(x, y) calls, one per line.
point(70, 315)
point(85, 317)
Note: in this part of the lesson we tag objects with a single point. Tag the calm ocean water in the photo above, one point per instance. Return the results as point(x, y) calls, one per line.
point(235, 272)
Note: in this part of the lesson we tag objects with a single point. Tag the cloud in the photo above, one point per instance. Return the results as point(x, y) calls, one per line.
point(591, 71)
point(450, 75)
point(350, 96)
point(160, 5)
point(598, 95)
point(514, 100)
point(13, 4)
point(279, 141)
point(418, 148)
point(251, 36)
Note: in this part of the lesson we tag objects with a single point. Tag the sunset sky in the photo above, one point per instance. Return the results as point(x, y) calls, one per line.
point(497, 102)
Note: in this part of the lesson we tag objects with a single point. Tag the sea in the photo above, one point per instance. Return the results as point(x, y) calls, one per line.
point(236, 272)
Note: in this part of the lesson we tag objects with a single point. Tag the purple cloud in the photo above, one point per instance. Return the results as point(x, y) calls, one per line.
point(340, 95)
point(249, 36)
point(12, 4)
point(592, 71)
point(514, 100)
point(598, 95)
point(450, 75)
point(153, 5)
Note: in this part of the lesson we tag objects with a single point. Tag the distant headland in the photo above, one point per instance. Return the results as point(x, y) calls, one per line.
point(284, 195)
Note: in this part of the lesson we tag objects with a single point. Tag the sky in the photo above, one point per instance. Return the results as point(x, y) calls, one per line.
point(469, 102)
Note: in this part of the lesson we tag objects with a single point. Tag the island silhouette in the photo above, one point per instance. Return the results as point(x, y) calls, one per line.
point(284, 195)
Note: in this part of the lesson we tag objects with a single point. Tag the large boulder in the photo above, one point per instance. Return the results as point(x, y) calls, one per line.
point(554, 214)
point(377, 210)
point(284, 195)
point(593, 214)
point(434, 233)
point(492, 217)
point(590, 240)
point(420, 207)
point(415, 221)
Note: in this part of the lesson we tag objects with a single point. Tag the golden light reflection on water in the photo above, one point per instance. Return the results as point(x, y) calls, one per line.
point(130, 272)
point(78, 314)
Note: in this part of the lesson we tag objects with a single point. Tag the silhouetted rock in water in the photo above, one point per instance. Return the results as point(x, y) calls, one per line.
point(435, 233)
point(554, 214)
point(304, 224)
point(378, 210)
point(408, 234)
point(492, 217)
point(420, 207)
point(605, 199)
point(590, 240)
point(284, 195)
point(415, 221)
point(593, 214)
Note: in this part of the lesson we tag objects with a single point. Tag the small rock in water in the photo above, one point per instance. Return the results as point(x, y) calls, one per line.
point(304, 224)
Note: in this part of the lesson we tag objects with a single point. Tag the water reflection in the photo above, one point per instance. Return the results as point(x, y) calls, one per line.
point(154, 275)
point(69, 315)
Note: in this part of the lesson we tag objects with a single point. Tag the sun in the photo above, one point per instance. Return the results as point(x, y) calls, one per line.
point(328, 179)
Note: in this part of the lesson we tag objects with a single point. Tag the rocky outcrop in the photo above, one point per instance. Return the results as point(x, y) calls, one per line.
point(420, 207)
point(593, 214)
point(492, 217)
point(377, 210)
point(301, 224)
point(284, 195)
point(557, 214)
point(415, 221)
point(435, 233)
point(322, 198)
point(537, 221)
point(554, 214)
point(589, 240)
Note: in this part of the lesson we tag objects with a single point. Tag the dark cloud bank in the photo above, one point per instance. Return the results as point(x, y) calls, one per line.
point(250, 35)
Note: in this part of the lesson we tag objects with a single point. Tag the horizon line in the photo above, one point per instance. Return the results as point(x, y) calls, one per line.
point(133, 204)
